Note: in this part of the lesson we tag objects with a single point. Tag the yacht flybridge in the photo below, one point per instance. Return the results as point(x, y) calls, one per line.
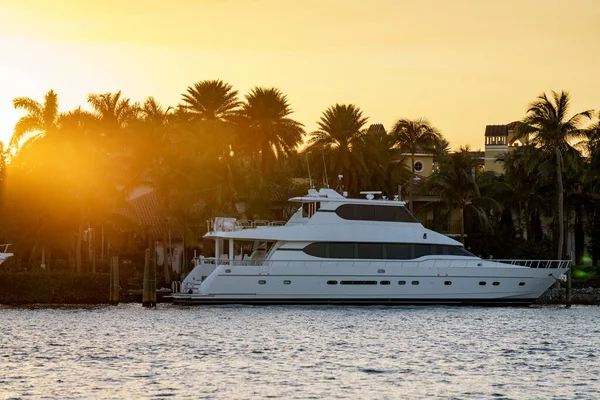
point(337, 250)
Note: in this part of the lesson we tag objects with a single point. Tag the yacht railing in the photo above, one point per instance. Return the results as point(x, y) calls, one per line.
point(430, 263)
point(222, 224)
point(537, 263)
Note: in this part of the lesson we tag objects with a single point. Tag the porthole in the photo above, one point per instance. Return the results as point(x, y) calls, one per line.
point(286, 282)
point(521, 283)
point(332, 282)
point(384, 282)
point(482, 283)
point(448, 283)
point(496, 283)
point(415, 283)
point(227, 271)
point(262, 282)
point(381, 271)
point(401, 282)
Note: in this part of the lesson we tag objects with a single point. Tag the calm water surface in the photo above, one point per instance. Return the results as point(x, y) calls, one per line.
point(299, 352)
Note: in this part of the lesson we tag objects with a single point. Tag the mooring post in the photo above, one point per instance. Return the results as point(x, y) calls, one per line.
point(569, 280)
point(148, 278)
point(149, 291)
point(152, 279)
point(114, 280)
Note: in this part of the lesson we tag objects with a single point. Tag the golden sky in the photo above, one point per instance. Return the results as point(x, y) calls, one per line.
point(462, 63)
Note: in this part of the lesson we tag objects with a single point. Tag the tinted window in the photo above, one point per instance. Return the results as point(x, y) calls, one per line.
point(341, 250)
point(370, 251)
point(482, 283)
point(448, 283)
point(401, 282)
point(377, 251)
point(316, 250)
point(422, 250)
point(398, 251)
point(358, 282)
point(415, 282)
point(364, 212)
point(384, 282)
point(332, 282)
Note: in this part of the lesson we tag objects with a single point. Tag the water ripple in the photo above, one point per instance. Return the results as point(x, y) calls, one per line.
point(299, 352)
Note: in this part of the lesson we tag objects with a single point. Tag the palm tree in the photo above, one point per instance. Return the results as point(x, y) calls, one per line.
point(547, 126)
point(266, 125)
point(341, 138)
point(413, 136)
point(456, 183)
point(41, 118)
point(113, 111)
point(211, 100)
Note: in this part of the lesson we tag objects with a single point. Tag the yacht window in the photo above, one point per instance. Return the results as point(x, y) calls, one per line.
point(316, 250)
point(367, 212)
point(496, 283)
point(341, 250)
point(358, 282)
point(422, 250)
point(398, 251)
point(332, 282)
point(482, 283)
point(377, 251)
point(458, 251)
point(448, 283)
point(384, 282)
point(287, 282)
point(401, 282)
point(415, 282)
point(521, 283)
point(372, 251)
point(262, 282)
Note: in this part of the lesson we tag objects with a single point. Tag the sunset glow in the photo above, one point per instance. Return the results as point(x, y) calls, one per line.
point(461, 64)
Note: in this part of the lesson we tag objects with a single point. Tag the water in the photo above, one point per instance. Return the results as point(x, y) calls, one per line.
point(299, 352)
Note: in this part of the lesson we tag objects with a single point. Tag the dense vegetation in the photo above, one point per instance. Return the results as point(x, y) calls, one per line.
point(66, 174)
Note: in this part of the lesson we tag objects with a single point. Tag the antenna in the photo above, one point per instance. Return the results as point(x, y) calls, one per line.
point(325, 169)
point(308, 166)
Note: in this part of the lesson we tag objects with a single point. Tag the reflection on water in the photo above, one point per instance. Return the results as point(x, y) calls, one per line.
point(241, 352)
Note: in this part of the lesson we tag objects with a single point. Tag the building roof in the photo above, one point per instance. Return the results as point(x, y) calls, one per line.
point(496, 130)
point(376, 128)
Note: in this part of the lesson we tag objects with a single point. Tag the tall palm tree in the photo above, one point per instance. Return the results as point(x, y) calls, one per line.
point(266, 125)
point(413, 136)
point(546, 125)
point(341, 138)
point(113, 110)
point(41, 118)
point(211, 100)
point(456, 183)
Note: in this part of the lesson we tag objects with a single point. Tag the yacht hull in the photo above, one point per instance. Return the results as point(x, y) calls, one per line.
point(419, 284)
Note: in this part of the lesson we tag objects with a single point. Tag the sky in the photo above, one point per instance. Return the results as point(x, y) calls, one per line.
point(462, 64)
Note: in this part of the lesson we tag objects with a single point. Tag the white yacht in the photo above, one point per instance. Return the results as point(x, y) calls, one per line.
point(337, 250)
point(4, 254)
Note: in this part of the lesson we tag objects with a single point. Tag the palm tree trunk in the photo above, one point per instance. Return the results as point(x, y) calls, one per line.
point(78, 266)
point(559, 185)
point(412, 181)
point(462, 225)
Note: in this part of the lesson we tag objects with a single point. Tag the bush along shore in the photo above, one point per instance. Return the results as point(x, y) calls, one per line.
point(53, 288)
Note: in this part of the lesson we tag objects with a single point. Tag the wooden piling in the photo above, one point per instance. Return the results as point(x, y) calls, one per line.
point(569, 280)
point(114, 280)
point(149, 288)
